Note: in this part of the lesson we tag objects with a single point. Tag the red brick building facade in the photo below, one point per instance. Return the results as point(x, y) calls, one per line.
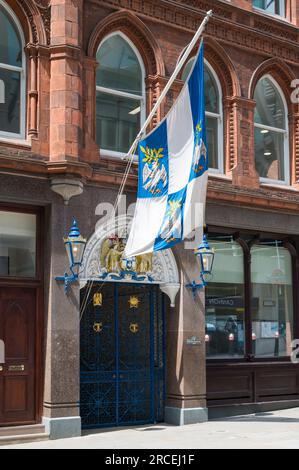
point(51, 147)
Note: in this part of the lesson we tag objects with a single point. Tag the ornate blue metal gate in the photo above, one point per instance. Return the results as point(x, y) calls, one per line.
point(122, 356)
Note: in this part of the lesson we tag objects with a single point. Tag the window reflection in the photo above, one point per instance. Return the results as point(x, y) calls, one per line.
point(272, 300)
point(225, 301)
point(213, 113)
point(17, 244)
point(270, 131)
point(11, 76)
point(120, 100)
point(274, 7)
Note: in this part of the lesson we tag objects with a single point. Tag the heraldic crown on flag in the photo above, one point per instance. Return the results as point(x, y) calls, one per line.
point(172, 178)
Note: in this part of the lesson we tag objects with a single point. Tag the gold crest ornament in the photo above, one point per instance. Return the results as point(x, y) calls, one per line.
point(134, 301)
point(134, 328)
point(111, 252)
point(144, 263)
point(98, 327)
point(97, 300)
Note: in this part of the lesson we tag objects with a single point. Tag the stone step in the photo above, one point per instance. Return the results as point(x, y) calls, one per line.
point(22, 430)
point(22, 438)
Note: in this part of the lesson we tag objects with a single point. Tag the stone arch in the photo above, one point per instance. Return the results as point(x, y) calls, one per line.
point(165, 271)
point(281, 73)
point(137, 32)
point(34, 18)
point(223, 66)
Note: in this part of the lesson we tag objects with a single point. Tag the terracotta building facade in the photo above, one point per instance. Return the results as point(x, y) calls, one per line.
point(77, 79)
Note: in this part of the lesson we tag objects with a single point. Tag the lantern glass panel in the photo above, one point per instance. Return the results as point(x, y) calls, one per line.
point(78, 248)
point(208, 259)
point(68, 247)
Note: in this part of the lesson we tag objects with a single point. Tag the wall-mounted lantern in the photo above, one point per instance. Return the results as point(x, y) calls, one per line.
point(74, 245)
point(206, 259)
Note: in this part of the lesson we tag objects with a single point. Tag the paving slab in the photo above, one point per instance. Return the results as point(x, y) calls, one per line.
point(269, 430)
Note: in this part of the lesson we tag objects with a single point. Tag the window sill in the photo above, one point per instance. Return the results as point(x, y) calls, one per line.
point(242, 362)
point(112, 155)
point(217, 174)
point(15, 142)
point(276, 185)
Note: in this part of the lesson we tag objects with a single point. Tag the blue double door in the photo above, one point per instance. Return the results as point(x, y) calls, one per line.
point(122, 355)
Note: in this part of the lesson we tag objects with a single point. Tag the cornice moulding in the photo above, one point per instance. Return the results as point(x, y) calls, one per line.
point(280, 40)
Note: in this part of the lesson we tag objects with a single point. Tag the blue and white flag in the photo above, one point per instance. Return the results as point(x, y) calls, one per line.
point(173, 164)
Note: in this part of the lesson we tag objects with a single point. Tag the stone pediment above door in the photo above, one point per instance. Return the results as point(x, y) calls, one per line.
point(103, 258)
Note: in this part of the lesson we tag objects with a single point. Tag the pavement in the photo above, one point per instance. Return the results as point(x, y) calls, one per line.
point(269, 430)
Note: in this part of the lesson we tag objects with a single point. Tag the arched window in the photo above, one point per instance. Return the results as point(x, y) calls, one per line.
point(120, 88)
point(12, 75)
point(214, 122)
point(271, 131)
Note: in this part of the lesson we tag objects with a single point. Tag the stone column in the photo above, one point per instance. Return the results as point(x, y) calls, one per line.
point(40, 141)
point(185, 340)
point(33, 93)
point(61, 414)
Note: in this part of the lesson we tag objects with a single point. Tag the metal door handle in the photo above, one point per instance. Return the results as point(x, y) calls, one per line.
point(1, 368)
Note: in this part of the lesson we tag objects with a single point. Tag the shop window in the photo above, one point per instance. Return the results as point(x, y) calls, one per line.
point(120, 94)
point(271, 132)
point(249, 299)
point(214, 122)
point(12, 75)
point(225, 301)
point(272, 300)
point(17, 244)
point(273, 7)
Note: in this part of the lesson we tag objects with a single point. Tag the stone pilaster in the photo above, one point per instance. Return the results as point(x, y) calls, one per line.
point(62, 371)
point(66, 80)
point(186, 365)
point(91, 149)
point(244, 172)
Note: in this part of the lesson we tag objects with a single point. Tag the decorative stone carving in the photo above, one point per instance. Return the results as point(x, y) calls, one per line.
point(38, 14)
point(171, 290)
point(45, 11)
point(188, 14)
point(29, 14)
point(67, 188)
point(163, 269)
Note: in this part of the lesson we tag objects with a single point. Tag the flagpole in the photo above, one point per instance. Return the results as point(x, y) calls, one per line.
point(171, 80)
point(131, 152)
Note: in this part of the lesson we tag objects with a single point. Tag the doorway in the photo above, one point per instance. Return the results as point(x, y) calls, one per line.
point(122, 355)
point(21, 314)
